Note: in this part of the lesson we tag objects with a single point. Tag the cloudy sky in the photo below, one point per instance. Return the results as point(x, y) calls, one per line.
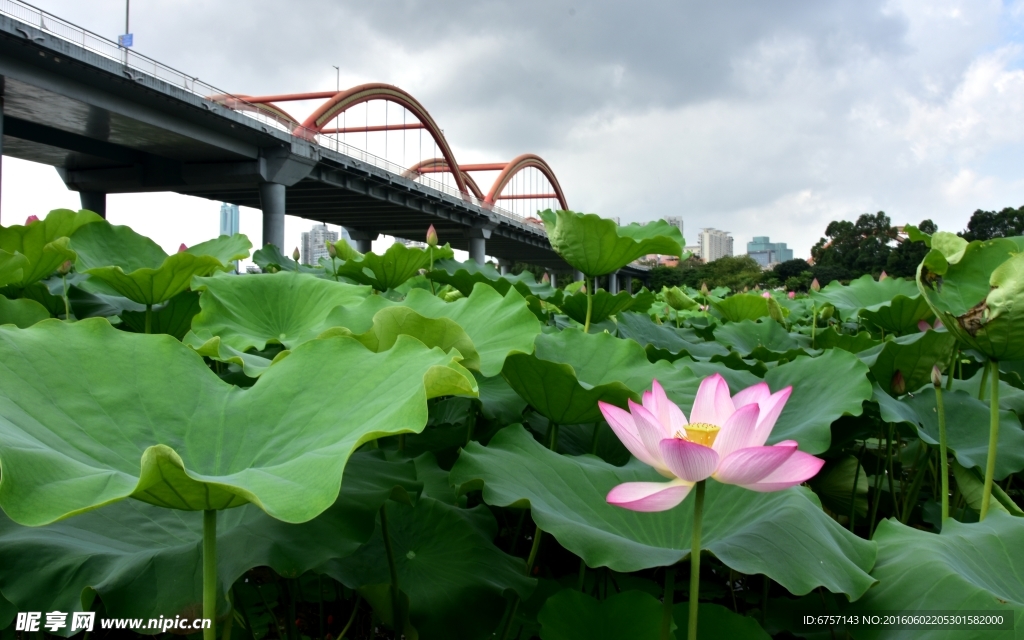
point(760, 118)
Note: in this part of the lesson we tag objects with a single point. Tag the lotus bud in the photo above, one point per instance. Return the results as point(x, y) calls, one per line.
point(332, 250)
point(898, 384)
point(883, 276)
point(791, 294)
point(703, 288)
point(545, 278)
point(936, 376)
point(938, 324)
point(272, 268)
point(182, 248)
point(766, 295)
point(31, 220)
point(422, 272)
point(64, 268)
point(746, 289)
point(296, 255)
point(431, 236)
point(815, 286)
point(922, 326)
point(827, 311)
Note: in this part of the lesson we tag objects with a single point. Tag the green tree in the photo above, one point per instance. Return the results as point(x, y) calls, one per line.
point(859, 247)
point(985, 225)
point(903, 260)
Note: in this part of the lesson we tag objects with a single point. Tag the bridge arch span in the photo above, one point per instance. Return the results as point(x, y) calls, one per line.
point(518, 164)
point(436, 165)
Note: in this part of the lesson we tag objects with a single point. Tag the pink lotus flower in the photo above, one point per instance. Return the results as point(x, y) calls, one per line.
point(791, 294)
point(724, 440)
point(766, 295)
point(431, 236)
point(922, 325)
point(883, 276)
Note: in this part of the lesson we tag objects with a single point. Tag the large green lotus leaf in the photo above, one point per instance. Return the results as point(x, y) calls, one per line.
point(466, 275)
point(738, 379)
point(1010, 397)
point(447, 565)
point(12, 268)
point(967, 421)
point(665, 342)
point(900, 317)
point(496, 323)
point(499, 401)
point(7, 612)
point(137, 268)
point(571, 615)
point(141, 559)
point(977, 290)
point(913, 356)
point(44, 244)
point(270, 259)
point(864, 293)
point(715, 621)
point(764, 340)
point(248, 312)
point(770, 533)
point(21, 312)
point(387, 271)
point(570, 371)
point(966, 568)
point(173, 317)
point(824, 388)
point(147, 418)
point(605, 304)
point(597, 246)
point(392, 322)
point(742, 306)
point(830, 339)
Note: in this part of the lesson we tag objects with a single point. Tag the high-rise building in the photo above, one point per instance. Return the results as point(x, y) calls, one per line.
point(677, 222)
point(314, 243)
point(767, 253)
point(714, 244)
point(228, 219)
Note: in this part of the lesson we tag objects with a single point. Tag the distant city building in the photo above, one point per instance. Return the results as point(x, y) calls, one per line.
point(228, 219)
point(677, 222)
point(767, 253)
point(694, 249)
point(314, 243)
point(714, 244)
point(616, 219)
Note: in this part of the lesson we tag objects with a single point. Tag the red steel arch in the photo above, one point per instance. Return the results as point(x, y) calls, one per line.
point(438, 165)
point(344, 100)
point(246, 103)
point(525, 161)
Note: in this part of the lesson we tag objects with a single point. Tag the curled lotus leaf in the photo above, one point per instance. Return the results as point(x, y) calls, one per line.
point(597, 246)
point(463, 276)
point(21, 312)
point(605, 304)
point(977, 290)
point(742, 306)
point(863, 293)
point(12, 267)
point(137, 268)
point(148, 419)
point(44, 245)
point(390, 269)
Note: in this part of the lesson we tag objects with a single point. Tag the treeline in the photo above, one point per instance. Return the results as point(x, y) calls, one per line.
point(849, 250)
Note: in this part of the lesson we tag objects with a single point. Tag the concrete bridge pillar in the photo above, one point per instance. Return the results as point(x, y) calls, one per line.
point(505, 266)
point(362, 240)
point(627, 283)
point(478, 237)
point(577, 276)
point(272, 202)
point(95, 201)
point(613, 283)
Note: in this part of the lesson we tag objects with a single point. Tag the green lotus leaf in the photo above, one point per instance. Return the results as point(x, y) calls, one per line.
point(835, 486)
point(605, 304)
point(966, 419)
point(737, 379)
point(89, 304)
point(463, 276)
point(447, 565)
point(913, 356)
point(21, 312)
point(173, 317)
point(715, 621)
point(678, 300)
point(664, 342)
point(900, 317)
point(110, 552)
point(499, 401)
point(971, 484)
point(1010, 397)
point(765, 340)
point(863, 293)
point(497, 324)
point(153, 422)
point(742, 306)
point(253, 364)
point(270, 259)
point(769, 533)
point(966, 568)
point(571, 615)
point(825, 388)
point(44, 244)
point(137, 268)
point(394, 267)
point(249, 312)
point(597, 246)
point(12, 268)
point(8, 611)
point(570, 371)
point(830, 339)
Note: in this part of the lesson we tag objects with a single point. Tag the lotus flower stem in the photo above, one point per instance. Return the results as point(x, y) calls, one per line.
point(698, 514)
point(814, 323)
point(993, 439)
point(590, 308)
point(396, 610)
point(351, 618)
point(951, 369)
point(149, 318)
point(667, 602)
point(67, 307)
point(943, 454)
point(853, 493)
point(209, 572)
point(984, 379)
point(890, 474)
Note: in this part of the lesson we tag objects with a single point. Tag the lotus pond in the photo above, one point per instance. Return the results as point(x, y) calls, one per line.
point(404, 445)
